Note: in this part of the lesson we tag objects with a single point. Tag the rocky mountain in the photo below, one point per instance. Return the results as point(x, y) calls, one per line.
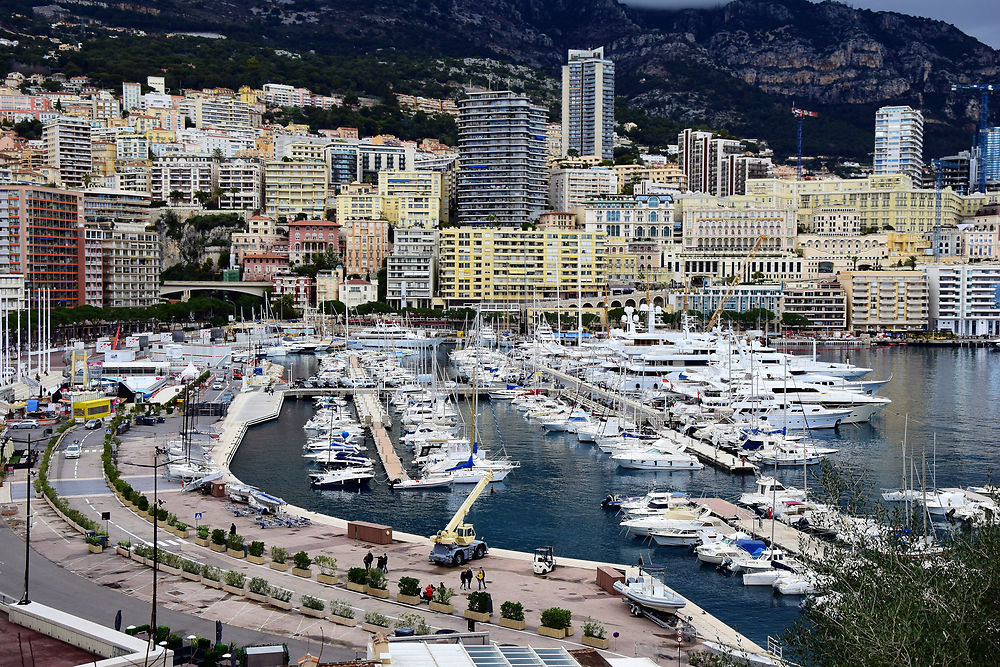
point(736, 67)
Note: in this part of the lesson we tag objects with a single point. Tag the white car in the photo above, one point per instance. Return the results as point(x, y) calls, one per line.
point(217, 385)
point(72, 450)
point(26, 423)
point(91, 424)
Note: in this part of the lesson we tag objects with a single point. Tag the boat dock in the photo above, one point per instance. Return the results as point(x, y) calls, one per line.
point(372, 415)
point(790, 539)
point(575, 385)
point(717, 457)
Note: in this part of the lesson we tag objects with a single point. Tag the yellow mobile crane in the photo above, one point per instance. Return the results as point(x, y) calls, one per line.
point(736, 281)
point(456, 543)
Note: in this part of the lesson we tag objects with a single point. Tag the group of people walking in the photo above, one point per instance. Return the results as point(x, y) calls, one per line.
point(382, 564)
point(468, 576)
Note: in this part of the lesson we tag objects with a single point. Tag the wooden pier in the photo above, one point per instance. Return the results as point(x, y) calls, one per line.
point(790, 539)
point(585, 389)
point(371, 414)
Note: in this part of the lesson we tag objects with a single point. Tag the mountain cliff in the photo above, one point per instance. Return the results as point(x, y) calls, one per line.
point(737, 67)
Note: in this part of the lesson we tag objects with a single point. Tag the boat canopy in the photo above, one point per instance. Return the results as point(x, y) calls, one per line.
point(753, 547)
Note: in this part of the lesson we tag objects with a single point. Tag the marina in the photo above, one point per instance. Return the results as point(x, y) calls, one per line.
point(537, 451)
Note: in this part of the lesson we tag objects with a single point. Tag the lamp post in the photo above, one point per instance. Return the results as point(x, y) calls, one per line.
point(27, 521)
point(156, 506)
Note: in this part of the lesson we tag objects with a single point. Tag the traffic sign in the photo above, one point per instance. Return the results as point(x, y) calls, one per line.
point(197, 515)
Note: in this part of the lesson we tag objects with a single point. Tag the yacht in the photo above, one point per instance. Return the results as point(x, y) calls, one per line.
point(656, 458)
point(391, 335)
point(645, 590)
point(342, 477)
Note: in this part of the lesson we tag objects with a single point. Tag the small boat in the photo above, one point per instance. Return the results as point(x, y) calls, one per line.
point(682, 537)
point(644, 590)
point(429, 482)
point(342, 477)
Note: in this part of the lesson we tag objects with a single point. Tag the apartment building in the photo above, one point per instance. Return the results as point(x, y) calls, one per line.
point(131, 265)
point(899, 141)
point(263, 265)
point(309, 238)
point(299, 287)
point(292, 187)
point(588, 104)
point(629, 217)
point(366, 245)
point(492, 264)
point(886, 300)
point(176, 179)
point(242, 185)
point(723, 228)
point(704, 159)
point(670, 176)
point(41, 238)
point(738, 299)
point(419, 197)
point(569, 187)
point(68, 149)
point(823, 303)
point(965, 298)
point(501, 146)
point(131, 96)
point(411, 267)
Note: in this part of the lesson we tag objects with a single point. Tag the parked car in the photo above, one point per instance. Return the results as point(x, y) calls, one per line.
point(145, 421)
point(92, 424)
point(217, 385)
point(72, 450)
point(26, 423)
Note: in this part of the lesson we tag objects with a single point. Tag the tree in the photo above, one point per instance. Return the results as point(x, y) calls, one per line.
point(794, 320)
point(284, 307)
point(175, 196)
point(882, 605)
point(911, 262)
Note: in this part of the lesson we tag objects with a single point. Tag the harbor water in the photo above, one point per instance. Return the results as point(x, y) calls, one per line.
point(554, 497)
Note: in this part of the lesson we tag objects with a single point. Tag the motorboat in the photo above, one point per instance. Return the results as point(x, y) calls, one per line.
point(683, 537)
point(645, 590)
point(792, 454)
point(342, 477)
point(714, 553)
point(655, 458)
point(440, 481)
point(770, 490)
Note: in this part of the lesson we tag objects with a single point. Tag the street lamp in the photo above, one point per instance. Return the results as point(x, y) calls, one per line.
point(156, 506)
point(27, 521)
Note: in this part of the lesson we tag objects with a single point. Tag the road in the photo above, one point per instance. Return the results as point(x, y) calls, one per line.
point(59, 588)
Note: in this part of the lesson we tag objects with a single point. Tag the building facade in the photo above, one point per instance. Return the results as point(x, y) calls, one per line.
point(41, 237)
point(899, 141)
point(569, 188)
point(411, 268)
point(965, 299)
point(588, 104)
point(501, 146)
point(366, 245)
point(68, 149)
point(310, 238)
point(823, 303)
point(886, 300)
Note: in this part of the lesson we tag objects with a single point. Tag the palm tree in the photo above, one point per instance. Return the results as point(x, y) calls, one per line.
point(911, 262)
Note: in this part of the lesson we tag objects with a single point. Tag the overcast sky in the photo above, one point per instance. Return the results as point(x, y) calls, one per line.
point(979, 18)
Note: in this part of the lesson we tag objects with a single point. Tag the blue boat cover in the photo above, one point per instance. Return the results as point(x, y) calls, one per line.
point(753, 547)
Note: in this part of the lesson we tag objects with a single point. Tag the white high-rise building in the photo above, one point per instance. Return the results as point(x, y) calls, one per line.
point(899, 141)
point(965, 298)
point(68, 149)
point(131, 96)
point(501, 149)
point(588, 104)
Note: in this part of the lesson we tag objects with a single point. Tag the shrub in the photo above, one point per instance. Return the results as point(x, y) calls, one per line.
point(556, 618)
point(171, 519)
point(309, 602)
point(174, 641)
point(595, 629)
point(414, 621)
point(124, 544)
point(141, 550)
point(211, 573)
point(479, 601)
point(327, 564)
point(357, 575)
point(302, 560)
point(234, 578)
point(235, 542)
point(190, 566)
point(281, 594)
point(375, 618)
point(409, 586)
point(376, 579)
point(256, 548)
point(218, 536)
point(259, 586)
point(341, 608)
point(203, 532)
point(161, 515)
point(169, 559)
point(279, 554)
point(513, 611)
point(142, 503)
point(93, 540)
point(179, 525)
point(443, 594)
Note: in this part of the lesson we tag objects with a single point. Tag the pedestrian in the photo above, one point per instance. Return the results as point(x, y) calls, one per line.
point(368, 560)
point(383, 563)
point(469, 576)
point(232, 529)
point(481, 577)
point(640, 563)
point(465, 579)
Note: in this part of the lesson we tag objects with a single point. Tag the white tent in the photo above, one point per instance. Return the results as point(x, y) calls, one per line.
point(189, 373)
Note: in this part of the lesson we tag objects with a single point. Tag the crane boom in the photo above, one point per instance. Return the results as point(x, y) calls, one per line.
point(448, 534)
point(736, 281)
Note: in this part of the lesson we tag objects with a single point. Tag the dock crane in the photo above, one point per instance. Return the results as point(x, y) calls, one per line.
point(736, 281)
point(800, 114)
point(456, 543)
point(984, 121)
point(939, 167)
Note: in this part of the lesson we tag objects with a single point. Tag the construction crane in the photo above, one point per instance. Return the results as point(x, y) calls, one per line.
point(800, 114)
point(939, 167)
point(984, 121)
point(456, 543)
point(736, 281)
